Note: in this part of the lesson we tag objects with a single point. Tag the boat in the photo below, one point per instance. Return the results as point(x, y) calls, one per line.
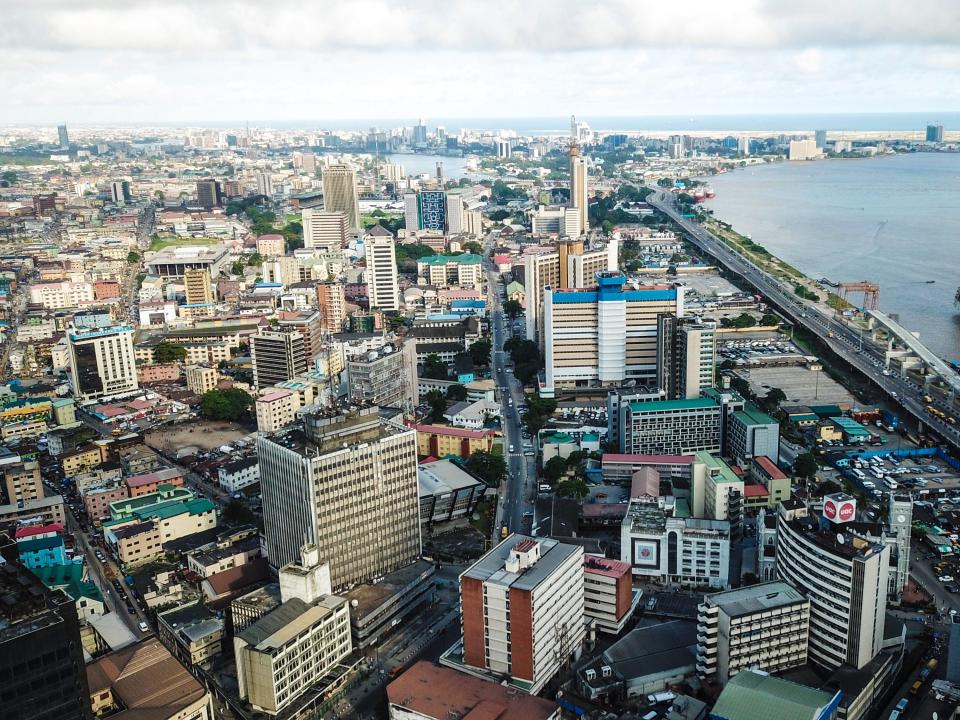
point(710, 193)
point(930, 282)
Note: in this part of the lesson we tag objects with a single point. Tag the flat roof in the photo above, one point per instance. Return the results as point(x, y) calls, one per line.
point(755, 598)
point(491, 567)
point(649, 459)
point(752, 695)
point(278, 627)
point(752, 415)
point(662, 405)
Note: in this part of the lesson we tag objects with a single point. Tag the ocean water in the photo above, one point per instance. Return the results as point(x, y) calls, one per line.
point(891, 220)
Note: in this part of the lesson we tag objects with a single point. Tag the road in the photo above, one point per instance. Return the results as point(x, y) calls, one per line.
point(845, 341)
point(517, 490)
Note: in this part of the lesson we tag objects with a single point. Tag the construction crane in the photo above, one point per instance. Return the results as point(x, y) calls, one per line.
point(870, 290)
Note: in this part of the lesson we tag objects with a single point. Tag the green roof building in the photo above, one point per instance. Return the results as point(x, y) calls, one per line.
point(753, 695)
point(751, 433)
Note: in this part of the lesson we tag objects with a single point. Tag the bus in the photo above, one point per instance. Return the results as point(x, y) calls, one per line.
point(858, 474)
point(890, 483)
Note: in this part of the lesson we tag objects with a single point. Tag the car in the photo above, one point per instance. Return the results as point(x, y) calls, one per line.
point(143, 627)
point(945, 578)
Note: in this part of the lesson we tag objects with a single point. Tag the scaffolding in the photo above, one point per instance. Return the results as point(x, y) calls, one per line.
point(870, 290)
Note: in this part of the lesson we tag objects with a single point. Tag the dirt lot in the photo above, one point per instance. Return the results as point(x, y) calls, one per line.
point(800, 385)
point(186, 439)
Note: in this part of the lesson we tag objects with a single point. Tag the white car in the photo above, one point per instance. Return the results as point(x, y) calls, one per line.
point(945, 578)
point(143, 627)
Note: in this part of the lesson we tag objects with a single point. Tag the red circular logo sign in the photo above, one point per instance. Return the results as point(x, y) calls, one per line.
point(846, 511)
point(830, 509)
point(645, 553)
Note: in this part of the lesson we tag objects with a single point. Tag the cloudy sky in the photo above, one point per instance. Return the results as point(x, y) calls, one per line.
point(87, 61)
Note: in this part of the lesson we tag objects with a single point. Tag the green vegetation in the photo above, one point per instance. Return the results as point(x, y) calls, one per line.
point(158, 242)
point(407, 256)
point(554, 469)
point(805, 465)
point(539, 411)
point(8, 178)
point(758, 254)
point(471, 246)
point(237, 513)
point(434, 368)
point(488, 466)
point(480, 352)
point(801, 290)
point(133, 257)
point(166, 352)
point(513, 308)
point(527, 361)
point(457, 393)
point(503, 193)
point(229, 404)
point(838, 303)
point(743, 320)
point(438, 405)
point(499, 215)
point(575, 487)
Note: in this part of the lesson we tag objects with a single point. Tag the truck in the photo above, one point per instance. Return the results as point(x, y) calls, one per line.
point(890, 420)
point(661, 697)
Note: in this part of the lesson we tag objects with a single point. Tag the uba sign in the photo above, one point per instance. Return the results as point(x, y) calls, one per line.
point(839, 508)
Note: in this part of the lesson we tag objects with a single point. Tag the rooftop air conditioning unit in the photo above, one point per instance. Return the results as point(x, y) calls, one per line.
point(606, 671)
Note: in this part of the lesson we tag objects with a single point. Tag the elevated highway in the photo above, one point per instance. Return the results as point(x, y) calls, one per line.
point(845, 341)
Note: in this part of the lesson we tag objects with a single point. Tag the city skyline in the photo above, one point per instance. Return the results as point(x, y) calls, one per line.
point(106, 61)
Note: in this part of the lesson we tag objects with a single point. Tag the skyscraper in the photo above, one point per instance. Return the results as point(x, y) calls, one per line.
point(331, 299)
point(420, 133)
point(196, 286)
point(42, 673)
point(209, 194)
point(324, 229)
point(686, 356)
point(63, 137)
point(120, 192)
point(900, 522)
point(820, 136)
point(264, 183)
point(346, 482)
point(743, 145)
point(935, 133)
point(277, 357)
point(578, 186)
point(383, 289)
point(102, 362)
point(340, 193)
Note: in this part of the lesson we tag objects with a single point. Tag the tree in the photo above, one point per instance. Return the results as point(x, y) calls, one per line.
point(480, 352)
point(769, 319)
point(8, 178)
point(488, 466)
point(229, 404)
point(473, 247)
point(728, 365)
point(575, 487)
point(133, 256)
point(554, 468)
point(740, 386)
point(434, 368)
point(438, 405)
point(805, 465)
point(513, 308)
point(237, 513)
point(166, 352)
point(773, 398)
point(457, 393)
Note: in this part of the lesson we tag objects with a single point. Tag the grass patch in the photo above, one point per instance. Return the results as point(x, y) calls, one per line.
point(756, 253)
point(159, 243)
point(484, 510)
point(837, 303)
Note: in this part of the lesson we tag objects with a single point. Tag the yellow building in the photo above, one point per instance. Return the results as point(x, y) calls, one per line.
point(440, 440)
point(80, 460)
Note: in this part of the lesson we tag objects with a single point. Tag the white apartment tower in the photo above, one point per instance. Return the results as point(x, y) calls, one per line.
point(340, 193)
point(347, 483)
point(900, 522)
point(102, 362)
point(324, 229)
point(523, 610)
point(383, 289)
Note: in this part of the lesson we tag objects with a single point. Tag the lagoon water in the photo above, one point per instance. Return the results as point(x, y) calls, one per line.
point(892, 220)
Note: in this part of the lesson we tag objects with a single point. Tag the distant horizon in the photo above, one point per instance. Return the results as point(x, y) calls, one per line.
point(892, 121)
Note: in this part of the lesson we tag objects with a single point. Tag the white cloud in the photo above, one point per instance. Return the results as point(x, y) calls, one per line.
point(96, 60)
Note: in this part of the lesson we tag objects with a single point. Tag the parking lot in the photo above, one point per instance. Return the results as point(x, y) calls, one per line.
point(802, 385)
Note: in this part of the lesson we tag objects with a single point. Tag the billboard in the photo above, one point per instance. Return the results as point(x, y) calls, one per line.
point(646, 553)
point(433, 210)
point(839, 508)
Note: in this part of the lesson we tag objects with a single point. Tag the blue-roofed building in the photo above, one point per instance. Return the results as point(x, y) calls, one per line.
point(605, 335)
point(43, 551)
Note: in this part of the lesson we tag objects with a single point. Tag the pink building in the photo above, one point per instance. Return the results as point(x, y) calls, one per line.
point(97, 500)
point(158, 373)
point(151, 482)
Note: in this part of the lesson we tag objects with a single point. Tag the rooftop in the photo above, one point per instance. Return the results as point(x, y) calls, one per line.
point(756, 598)
point(751, 415)
point(492, 566)
point(604, 566)
point(278, 627)
point(649, 459)
point(443, 476)
point(439, 692)
point(669, 405)
point(462, 259)
point(753, 695)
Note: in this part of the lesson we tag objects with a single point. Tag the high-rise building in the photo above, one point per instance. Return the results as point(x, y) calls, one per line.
point(232, 188)
point(805, 149)
point(309, 323)
point(42, 673)
point(197, 287)
point(346, 482)
point(935, 133)
point(953, 651)
point(743, 145)
point(21, 481)
point(120, 192)
point(569, 266)
point(751, 433)
point(843, 574)
point(608, 595)
point(264, 183)
point(762, 626)
point(523, 610)
point(669, 427)
point(384, 377)
point(383, 289)
point(686, 356)
point(62, 136)
point(578, 188)
point(820, 137)
point(900, 523)
point(209, 194)
point(102, 362)
point(420, 133)
point(504, 150)
point(324, 229)
point(277, 357)
point(340, 193)
point(604, 335)
point(425, 210)
point(331, 300)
